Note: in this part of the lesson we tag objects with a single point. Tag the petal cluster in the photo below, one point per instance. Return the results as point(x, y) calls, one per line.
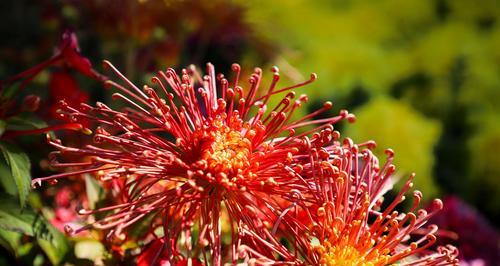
point(189, 150)
point(202, 157)
point(339, 216)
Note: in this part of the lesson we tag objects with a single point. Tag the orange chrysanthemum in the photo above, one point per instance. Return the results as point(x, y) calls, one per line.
point(338, 217)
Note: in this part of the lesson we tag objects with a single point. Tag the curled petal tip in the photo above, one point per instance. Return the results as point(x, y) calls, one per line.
point(106, 63)
point(343, 113)
point(36, 183)
point(108, 84)
point(389, 152)
point(235, 67)
point(336, 135)
point(68, 230)
point(351, 118)
point(371, 144)
point(437, 204)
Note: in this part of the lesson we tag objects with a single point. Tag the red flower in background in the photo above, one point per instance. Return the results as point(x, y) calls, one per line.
point(475, 237)
point(66, 200)
point(67, 53)
point(63, 86)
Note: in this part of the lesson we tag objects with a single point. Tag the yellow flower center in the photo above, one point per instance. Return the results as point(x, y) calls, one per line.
point(350, 245)
point(226, 151)
point(342, 256)
point(348, 255)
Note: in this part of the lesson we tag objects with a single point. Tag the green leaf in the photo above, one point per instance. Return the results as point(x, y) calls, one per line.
point(25, 250)
point(56, 248)
point(6, 179)
point(10, 240)
point(20, 168)
point(15, 219)
point(25, 121)
point(24, 221)
point(9, 92)
point(27, 222)
point(54, 244)
point(38, 260)
point(94, 191)
point(89, 249)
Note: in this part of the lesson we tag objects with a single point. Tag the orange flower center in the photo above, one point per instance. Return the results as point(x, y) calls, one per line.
point(227, 151)
point(342, 254)
point(350, 243)
point(224, 153)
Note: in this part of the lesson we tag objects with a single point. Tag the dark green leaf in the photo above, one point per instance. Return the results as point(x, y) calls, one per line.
point(3, 124)
point(15, 219)
point(9, 92)
point(26, 221)
point(25, 121)
point(20, 166)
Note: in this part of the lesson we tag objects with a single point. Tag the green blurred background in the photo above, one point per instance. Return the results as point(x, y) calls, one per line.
point(422, 76)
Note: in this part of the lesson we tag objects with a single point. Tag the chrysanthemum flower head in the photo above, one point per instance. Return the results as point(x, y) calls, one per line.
point(339, 217)
point(190, 148)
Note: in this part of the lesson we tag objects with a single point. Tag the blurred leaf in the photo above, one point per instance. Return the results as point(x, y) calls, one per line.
point(89, 249)
point(20, 168)
point(485, 170)
point(10, 240)
point(25, 249)
point(25, 221)
point(56, 248)
point(141, 228)
point(36, 202)
point(6, 179)
point(10, 91)
point(25, 121)
point(39, 260)
point(15, 219)
point(94, 190)
point(2, 126)
point(399, 127)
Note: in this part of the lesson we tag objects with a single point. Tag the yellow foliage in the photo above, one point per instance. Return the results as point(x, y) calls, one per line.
point(412, 137)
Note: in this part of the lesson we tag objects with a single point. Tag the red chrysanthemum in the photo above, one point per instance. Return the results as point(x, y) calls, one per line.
point(62, 85)
point(338, 217)
point(67, 53)
point(191, 149)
